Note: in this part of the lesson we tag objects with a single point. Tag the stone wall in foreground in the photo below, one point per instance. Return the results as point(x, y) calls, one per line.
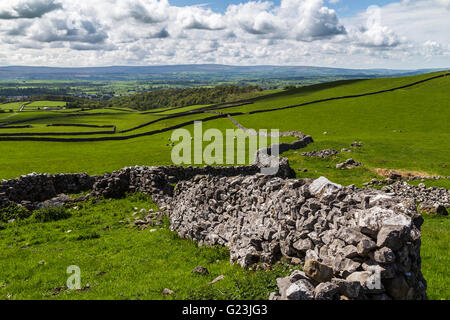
point(32, 189)
point(353, 243)
point(344, 233)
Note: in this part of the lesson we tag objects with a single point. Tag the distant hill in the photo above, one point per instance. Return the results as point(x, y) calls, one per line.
point(198, 71)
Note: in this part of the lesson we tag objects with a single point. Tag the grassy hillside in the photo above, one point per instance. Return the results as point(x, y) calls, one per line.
point(117, 261)
point(406, 129)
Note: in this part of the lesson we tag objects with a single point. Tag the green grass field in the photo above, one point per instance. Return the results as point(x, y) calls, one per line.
point(402, 130)
point(406, 129)
point(118, 261)
point(15, 106)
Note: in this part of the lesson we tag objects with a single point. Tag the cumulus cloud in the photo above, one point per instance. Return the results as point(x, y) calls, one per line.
point(293, 19)
point(27, 9)
point(295, 32)
point(445, 3)
point(373, 33)
point(199, 18)
point(68, 30)
point(254, 17)
point(147, 12)
point(432, 49)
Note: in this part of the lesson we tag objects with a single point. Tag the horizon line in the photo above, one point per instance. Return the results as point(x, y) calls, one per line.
point(218, 64)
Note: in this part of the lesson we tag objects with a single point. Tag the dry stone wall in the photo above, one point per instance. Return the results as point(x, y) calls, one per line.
point(347, 234)
point(346, 238)
point(31, 189)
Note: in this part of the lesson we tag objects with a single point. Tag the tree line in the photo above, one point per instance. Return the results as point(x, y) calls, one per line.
point(172, 98)
point(166, 98)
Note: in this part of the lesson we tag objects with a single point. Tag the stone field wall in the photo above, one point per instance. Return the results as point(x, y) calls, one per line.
point(353, 243)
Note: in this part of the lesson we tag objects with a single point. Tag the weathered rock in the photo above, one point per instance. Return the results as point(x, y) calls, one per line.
point(318, 271)
point(392, 237)
point(349, 164)
point(326, 291)
point(167, 292)
point(369, 280)
point(365, 246)
point(200, 270)
point(434, 209)
point(303, 245)
point(429, 198)
point(350, 289)
point(370, 221)
point(321, 154)
point(323, 186)
point(384, 255)
point(274, 296)
point(351, 236)
point(284, 283)
point(349, 251)
point(219, 278)
point(300, 290)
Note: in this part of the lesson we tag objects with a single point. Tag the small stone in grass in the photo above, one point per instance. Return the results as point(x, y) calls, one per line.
point(219, 278)
point(167, 292)
point(200, 270)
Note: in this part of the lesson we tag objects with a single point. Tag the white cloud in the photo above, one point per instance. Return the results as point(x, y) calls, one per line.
point(293, 19)
point(295, 32)
point(374, 33)
point(445, 3)
point(199, 18)
point(27, 9)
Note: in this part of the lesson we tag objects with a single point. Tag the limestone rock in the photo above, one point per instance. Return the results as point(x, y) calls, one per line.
point(350, 289)
point(365, 246)
point(323, 186)
point(318, 271)
point(392, 237)
point(200, 270)
point(326, 291)
point(434, 209)
point(300, 290)
point(384, 255)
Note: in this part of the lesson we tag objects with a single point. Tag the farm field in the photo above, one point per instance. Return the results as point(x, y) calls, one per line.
point(119, 261)
point(394, 130)
point(405, 129)
point(15, 106)
point(115, 260)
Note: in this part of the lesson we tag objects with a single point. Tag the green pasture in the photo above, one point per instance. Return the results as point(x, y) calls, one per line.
point(42, 104)
point(15, 106)
point(117, 261)
point(404, 130)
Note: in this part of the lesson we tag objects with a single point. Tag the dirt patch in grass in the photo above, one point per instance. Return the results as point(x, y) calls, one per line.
point(405, 174)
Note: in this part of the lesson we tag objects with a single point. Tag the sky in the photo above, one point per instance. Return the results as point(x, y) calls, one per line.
point(401, 34)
